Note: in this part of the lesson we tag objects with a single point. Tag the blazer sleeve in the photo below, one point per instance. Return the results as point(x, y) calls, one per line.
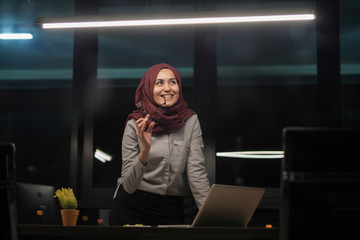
point(133, 170)
point(196, 171)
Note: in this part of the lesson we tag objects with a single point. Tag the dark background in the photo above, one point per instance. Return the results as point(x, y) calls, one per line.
point(65, 93)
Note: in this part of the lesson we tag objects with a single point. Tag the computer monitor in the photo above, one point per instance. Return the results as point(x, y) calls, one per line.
point(36, 204)
point(321, 150)
point(321, 184)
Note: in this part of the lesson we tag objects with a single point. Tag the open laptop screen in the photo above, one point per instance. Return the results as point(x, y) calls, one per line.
point(227, 205)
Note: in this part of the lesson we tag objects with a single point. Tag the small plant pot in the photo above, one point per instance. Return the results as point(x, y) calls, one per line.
point(69, 216)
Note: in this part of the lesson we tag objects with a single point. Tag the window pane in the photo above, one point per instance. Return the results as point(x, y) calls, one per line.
point(35, 91)
point(266, 81)
point(350, 62)
point(124, 56)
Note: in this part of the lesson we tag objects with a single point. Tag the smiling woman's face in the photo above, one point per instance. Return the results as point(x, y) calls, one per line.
point(166, 88)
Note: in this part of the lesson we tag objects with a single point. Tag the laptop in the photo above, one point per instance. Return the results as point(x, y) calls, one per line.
point(36, 204)
point(227, 206)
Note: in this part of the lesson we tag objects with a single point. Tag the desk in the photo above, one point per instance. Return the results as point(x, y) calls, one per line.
point(113, 232)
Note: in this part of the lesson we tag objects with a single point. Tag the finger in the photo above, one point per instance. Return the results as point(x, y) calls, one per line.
point(146, 118)
point(139, 127)
point(150, 128)
point(144, 121)
point(143, 125)
point(139, 121)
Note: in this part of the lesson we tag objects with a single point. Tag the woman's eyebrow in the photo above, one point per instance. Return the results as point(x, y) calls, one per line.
point(160, 79)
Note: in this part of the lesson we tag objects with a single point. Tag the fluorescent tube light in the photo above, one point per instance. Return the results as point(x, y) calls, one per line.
point(176, 21)
point(15, 36)
point(252, 154)
point(102, 156)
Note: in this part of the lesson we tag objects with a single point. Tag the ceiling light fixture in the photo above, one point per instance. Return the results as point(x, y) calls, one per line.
point(48, 23)
point(16, 36)
point(102, 156)
point(252, 154)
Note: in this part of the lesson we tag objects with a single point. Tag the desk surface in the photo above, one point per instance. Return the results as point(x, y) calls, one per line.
point(113, 232)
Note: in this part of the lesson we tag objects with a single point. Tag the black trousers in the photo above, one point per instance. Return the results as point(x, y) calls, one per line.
point(146, 208)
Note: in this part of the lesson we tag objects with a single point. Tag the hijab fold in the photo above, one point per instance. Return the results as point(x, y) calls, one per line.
point(174, 117)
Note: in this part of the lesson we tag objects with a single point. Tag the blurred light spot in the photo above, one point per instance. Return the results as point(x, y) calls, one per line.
point(16, 36)
point(39, 212)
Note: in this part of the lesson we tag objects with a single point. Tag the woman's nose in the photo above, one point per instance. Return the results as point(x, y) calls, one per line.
point(166, 87)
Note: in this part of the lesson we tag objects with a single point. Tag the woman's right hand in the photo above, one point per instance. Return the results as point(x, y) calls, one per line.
point(145, 136)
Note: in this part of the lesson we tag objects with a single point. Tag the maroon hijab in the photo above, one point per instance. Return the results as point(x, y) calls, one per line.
point(174, 117)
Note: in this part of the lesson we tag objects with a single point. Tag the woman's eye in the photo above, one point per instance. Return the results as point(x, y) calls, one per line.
point(159, 83)
point(173, 82)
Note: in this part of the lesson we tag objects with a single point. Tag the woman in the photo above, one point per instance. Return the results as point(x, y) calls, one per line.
point(162, 153)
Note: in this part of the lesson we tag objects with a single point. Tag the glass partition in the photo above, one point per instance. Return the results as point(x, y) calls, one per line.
point(35, 91)
point(267, 80)
point(124, 56)
point(350, 62)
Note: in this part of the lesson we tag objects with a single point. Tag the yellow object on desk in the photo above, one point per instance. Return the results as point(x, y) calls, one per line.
point(136, 225)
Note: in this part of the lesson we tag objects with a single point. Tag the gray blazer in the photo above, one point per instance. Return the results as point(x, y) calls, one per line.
point(175, 165)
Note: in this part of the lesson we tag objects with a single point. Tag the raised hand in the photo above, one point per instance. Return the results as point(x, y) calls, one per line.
point(145, 136)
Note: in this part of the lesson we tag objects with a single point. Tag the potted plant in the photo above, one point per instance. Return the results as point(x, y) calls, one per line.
point(68, 203)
